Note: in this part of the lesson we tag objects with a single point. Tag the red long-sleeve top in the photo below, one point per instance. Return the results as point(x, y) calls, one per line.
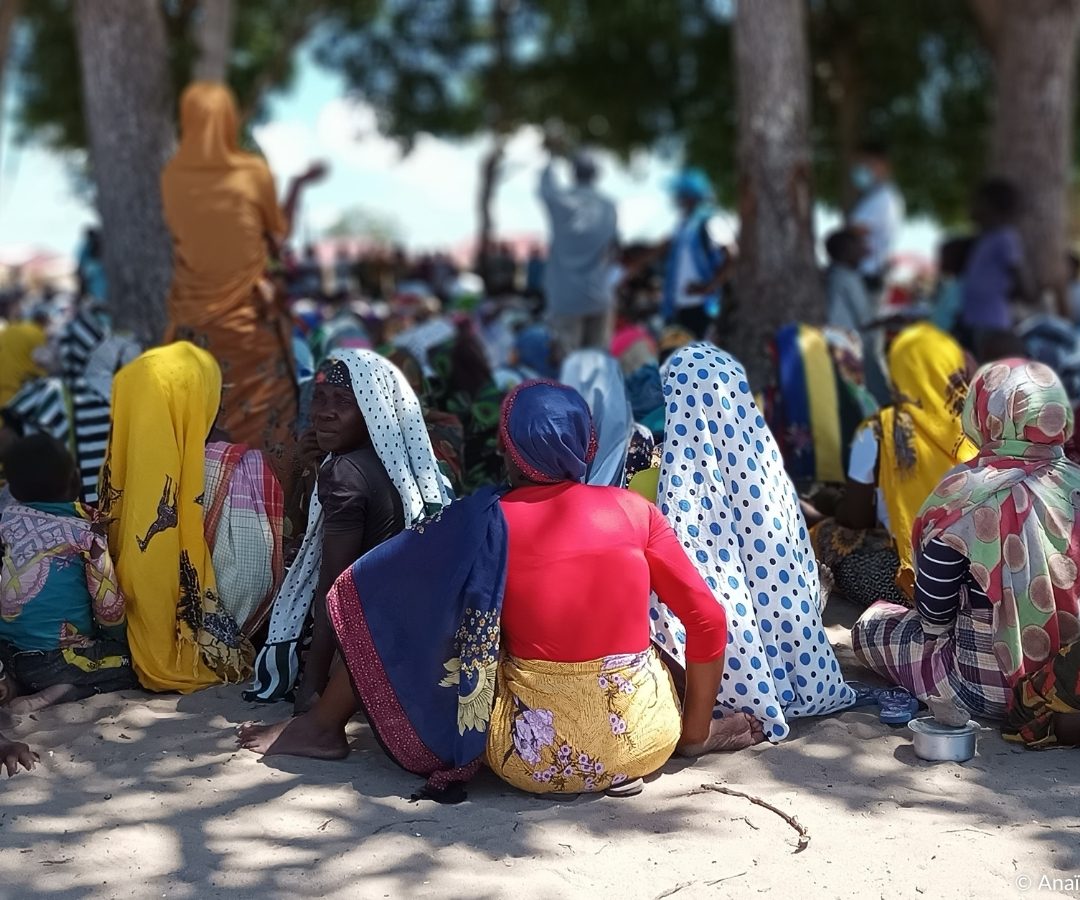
point(582, 562)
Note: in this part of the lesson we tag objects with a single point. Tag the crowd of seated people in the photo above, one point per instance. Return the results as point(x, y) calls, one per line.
point(433, 526)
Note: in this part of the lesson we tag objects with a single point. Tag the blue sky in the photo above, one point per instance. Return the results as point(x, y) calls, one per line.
point(430, 195)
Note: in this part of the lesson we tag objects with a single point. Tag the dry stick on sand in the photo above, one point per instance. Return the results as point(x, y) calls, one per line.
point(804, 835)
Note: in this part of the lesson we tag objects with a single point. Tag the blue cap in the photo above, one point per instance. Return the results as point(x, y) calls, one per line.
point(693, 183)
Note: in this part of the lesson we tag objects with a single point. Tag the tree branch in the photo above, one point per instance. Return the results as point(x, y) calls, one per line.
point(804, 835)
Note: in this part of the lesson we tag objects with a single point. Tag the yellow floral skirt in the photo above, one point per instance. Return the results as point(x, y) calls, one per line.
point(582, 727)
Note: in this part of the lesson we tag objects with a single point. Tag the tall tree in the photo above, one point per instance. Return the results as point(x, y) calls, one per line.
point(129, 119)
point(777, 273)
point(1034, 49)
point(9, 13)
point(213, 39)
point(261, 58)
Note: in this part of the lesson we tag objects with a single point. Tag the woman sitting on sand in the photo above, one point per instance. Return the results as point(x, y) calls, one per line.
point(378, 476)
point(896, 460)
point(724, 490)
point(997, 546)
point(514, 628)
point(161, 490)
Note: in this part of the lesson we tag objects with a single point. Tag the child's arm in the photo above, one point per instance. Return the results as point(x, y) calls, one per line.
point(106, 600)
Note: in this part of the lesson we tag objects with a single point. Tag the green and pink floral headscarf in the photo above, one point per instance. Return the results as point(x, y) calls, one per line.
point(1013, 512)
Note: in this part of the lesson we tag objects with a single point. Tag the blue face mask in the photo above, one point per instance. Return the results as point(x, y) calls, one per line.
point(862, 177)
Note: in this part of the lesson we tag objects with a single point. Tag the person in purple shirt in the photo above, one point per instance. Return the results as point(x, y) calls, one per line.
point(995, 272)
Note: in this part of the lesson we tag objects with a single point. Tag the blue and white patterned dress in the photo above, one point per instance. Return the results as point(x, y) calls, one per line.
point(724, 490)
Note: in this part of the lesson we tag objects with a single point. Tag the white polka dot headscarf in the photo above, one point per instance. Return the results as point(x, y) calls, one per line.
point(396, 425)
point(724, 490)
point(399, 436)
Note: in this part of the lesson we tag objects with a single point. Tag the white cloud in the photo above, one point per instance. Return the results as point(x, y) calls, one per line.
point(348, 133)
point(289, 147)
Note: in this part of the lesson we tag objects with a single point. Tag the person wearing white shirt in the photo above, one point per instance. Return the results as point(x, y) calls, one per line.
point(878, 214)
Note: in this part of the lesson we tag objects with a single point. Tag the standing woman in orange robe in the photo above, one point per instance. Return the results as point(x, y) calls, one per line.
point(226, 223)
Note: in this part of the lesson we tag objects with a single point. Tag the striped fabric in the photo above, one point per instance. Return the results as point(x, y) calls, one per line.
point(942, 573)
point(243, 513)
point(67, 407)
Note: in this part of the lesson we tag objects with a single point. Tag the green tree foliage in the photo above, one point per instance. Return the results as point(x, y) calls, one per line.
point(658, 74)
point(48, 82)
point(913, 75)
point(433, 66)
point(626, 76)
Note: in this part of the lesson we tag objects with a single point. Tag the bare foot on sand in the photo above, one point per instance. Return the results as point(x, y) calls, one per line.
point(735, 732)
point(293, 737)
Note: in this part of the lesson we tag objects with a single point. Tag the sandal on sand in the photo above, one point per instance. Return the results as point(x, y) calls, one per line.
point(627, 788)
point(865, 695)
point(898, 706)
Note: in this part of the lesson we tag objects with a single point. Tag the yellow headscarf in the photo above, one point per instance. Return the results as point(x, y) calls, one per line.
point(17, 345)
point(921, 435)
point(152, 483)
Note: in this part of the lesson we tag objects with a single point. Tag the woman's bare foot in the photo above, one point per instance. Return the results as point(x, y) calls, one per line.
point(300, 736)
point(734, 732)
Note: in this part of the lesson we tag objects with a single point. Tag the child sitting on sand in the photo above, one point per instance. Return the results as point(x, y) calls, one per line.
point(62, 622)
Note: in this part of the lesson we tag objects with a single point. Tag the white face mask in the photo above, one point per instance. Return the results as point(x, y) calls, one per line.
point(862, 177)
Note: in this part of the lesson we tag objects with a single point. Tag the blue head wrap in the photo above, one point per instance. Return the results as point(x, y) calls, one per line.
point(533, 347)
point(691, 183)
point(548, 431)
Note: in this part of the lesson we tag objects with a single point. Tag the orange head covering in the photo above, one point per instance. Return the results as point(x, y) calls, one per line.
point(209, 127)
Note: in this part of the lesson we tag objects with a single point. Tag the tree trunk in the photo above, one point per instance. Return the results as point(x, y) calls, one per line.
point(214, 38)
point(1034, 47)
point(496, 117)
point(848, 101)
point(777, 276)
point(489, 181)
point(129, 119)
point(9, 13)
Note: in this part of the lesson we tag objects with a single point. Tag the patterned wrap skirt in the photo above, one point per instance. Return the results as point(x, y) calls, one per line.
point(864, 563)
point(959, 665)
point(582, 727)
point(1042, 696)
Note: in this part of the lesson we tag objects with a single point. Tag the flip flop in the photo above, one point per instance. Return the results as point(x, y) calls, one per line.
point(627, 788)
point(898, 706)
point(865, 695)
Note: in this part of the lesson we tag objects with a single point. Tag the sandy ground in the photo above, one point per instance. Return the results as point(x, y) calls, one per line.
point(142, 796)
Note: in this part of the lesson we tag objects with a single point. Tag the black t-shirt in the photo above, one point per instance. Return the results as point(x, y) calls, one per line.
point(358, 496)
